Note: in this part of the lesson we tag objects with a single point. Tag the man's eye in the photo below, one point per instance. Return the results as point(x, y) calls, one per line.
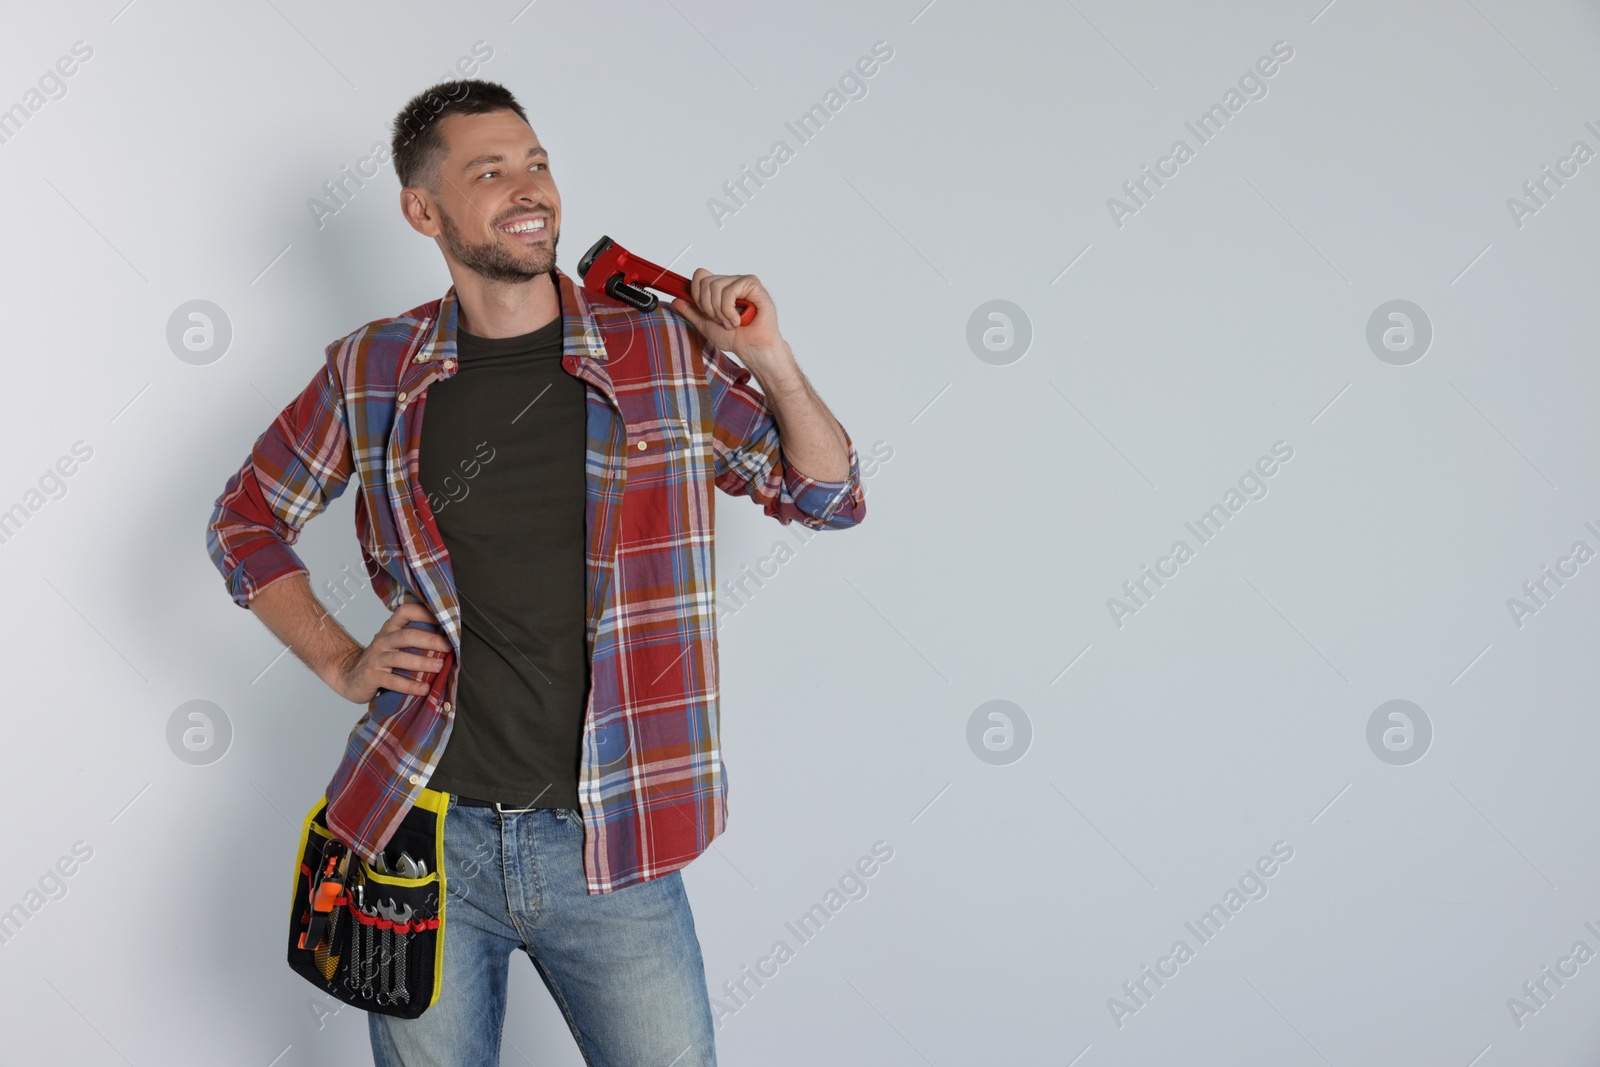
point(486, 173)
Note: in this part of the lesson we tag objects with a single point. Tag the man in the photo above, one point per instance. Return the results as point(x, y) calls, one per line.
point(545, 545)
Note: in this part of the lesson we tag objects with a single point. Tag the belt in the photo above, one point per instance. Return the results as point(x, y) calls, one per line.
point(499, 806)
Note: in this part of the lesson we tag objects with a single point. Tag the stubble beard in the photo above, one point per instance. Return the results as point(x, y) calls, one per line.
point(494, 261)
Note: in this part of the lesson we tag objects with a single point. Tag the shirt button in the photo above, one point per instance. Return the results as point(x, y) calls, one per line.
point(422, 357)
point(449, 364)
point(414, 779)
point(642, 446)
point(402, 396)
point(447, 705)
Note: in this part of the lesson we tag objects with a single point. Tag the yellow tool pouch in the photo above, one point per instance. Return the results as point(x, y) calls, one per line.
point(368, 937)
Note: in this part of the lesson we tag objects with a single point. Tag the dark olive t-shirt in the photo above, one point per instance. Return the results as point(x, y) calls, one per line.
point(502, 464)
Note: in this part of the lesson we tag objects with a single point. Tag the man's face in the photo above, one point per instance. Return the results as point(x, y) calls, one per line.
point(494, 185)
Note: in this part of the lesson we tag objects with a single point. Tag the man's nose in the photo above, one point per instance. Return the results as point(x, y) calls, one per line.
point(528, 190)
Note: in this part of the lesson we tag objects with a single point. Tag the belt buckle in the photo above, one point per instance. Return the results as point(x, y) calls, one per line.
point(499, 806)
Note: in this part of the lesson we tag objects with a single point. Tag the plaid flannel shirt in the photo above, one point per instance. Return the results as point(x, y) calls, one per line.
point(668, 416)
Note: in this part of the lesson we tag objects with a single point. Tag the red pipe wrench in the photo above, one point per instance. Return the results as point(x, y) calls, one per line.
point(611, 269)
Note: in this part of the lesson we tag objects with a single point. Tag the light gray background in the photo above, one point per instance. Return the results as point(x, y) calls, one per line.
point(1228, 314)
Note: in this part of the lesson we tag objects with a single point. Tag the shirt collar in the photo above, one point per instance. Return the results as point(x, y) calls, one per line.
point(580, 335)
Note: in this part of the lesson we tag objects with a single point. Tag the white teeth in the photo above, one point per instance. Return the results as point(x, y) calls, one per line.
point(524, 227)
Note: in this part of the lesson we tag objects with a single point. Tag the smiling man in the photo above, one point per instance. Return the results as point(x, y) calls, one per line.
point(544, 541)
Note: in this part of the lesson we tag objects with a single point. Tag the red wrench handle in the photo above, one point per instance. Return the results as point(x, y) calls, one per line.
point(643, 272)
point(640, 271)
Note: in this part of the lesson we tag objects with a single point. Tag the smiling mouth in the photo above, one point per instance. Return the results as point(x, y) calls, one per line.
point(533, 228)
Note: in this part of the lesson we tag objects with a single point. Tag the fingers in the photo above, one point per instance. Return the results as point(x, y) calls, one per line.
point(395, 640)
point(714, 296)
point(411, 610)
point(719, 296)
point(395, 683)
point(720, 305)
point(410, 661)
point(400, 684)
point(397, 647)
point(414, 610)
point(384, 672)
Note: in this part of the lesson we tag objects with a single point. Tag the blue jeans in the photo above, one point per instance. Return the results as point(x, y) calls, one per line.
point(624, 967)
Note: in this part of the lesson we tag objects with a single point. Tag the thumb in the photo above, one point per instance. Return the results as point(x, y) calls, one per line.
point(687, 309)
point(707, 327)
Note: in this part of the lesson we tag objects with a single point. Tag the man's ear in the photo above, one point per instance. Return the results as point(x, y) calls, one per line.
point(419, 209)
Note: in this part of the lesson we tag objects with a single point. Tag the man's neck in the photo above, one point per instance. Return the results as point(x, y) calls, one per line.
point(495, 309)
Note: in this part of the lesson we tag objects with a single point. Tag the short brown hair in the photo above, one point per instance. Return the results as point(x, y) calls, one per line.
point(416, 144)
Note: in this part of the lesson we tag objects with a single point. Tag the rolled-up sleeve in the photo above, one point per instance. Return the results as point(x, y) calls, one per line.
point(295, 469)
point(748, 454)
